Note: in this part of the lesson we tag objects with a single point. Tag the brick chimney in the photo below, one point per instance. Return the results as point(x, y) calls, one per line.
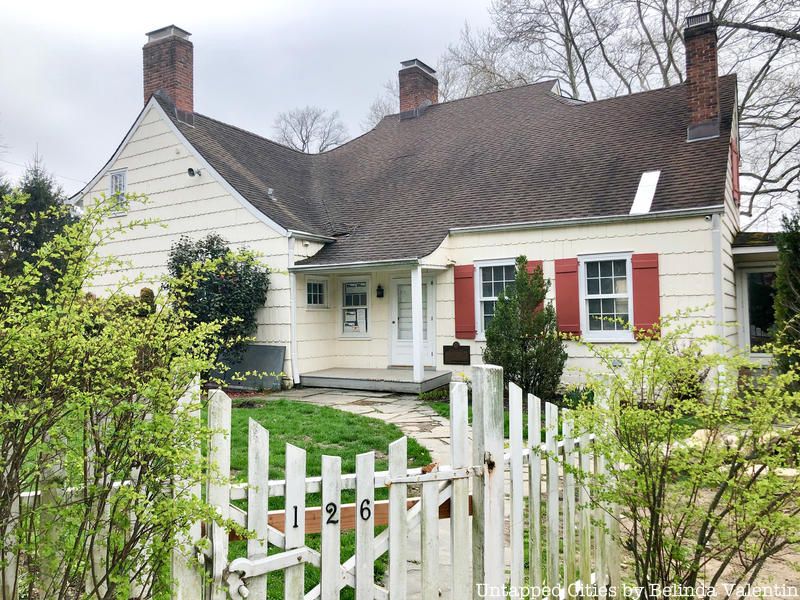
point(168, 58)
point(418, 86)
point(702, 78)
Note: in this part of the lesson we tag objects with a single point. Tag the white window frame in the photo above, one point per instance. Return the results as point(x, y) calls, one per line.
point(625, 335)
point(479, 298)
point(744, 309)
point(354, 334)
point(119, 207)
point(325, 294)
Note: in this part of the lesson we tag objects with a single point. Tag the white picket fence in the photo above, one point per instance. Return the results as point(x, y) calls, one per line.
point(496, 499)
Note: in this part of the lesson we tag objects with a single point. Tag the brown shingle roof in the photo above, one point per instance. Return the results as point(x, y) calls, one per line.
point(519, 155)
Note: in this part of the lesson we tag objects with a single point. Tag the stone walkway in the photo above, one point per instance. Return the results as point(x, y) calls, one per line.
point(413, 417)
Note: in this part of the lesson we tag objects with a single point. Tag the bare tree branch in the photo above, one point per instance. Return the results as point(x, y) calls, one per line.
point(310, 129)
point(788, 34)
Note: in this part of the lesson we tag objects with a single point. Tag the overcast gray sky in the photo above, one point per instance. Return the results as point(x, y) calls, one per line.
point(71, 72)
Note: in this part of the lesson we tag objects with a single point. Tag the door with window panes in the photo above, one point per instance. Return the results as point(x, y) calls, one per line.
point(401, 325)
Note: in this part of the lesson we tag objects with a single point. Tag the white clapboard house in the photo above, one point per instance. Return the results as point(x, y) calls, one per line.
point(390, 251)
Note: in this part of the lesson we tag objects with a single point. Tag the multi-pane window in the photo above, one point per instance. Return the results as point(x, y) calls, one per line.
point(354, 307)
point(607, 294)
point(315, 294)
point(760, 308)
point(117, 191)
point(494, 279)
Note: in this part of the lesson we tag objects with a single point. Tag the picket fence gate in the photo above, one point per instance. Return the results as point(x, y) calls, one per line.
point(496, 499)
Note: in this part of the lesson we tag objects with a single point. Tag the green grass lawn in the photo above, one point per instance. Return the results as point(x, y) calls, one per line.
point(319, 430)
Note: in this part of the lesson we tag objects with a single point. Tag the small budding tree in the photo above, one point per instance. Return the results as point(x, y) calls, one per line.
point(99, 435)
point(218, 285)
point(703, 455)
point(523, 336)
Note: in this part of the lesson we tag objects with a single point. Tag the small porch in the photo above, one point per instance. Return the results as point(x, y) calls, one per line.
point(392, 379)
point(367, 327)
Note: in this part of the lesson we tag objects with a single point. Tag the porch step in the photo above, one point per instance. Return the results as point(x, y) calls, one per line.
point(375, 380)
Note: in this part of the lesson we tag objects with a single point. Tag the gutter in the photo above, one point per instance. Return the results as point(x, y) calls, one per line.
point(292, 312)
point(681, 212)
point(716, 253)
point(311, 237)
point(362, 264)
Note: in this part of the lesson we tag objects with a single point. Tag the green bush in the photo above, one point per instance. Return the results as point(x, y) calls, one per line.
point(227, 287)
point(523, 336)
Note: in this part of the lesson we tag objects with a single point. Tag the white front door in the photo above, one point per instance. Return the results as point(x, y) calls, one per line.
point(401, 351)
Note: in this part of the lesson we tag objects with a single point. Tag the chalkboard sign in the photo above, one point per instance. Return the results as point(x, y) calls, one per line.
point(267, 361)
point(456, 354)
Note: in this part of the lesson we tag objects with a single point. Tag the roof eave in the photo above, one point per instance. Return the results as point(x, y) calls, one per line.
point(361, 264)
point(673, 213)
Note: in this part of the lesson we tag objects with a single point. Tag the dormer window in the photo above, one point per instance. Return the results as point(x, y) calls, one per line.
point(118, 188)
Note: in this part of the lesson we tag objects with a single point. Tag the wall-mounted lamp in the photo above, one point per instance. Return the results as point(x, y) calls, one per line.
point(192, 172)
point(379, 291)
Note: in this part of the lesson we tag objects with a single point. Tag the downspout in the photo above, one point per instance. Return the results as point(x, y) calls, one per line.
point(292, 313)
point(716, 254)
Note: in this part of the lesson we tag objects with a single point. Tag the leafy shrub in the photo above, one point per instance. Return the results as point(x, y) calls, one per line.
point(699, 458)
point(227, 287)
point(523, 335)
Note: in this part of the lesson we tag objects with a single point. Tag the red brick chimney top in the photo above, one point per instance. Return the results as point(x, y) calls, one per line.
point(702, 77)
point(418, 85)
point(168, 60)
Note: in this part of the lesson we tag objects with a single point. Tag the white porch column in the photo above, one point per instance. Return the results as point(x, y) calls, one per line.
point(417, 345)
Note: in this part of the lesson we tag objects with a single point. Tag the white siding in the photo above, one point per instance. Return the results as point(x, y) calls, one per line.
point(684, 246)
point(157, 161)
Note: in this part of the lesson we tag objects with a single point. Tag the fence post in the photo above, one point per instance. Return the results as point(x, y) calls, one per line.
point(569, 503)
point(218, 494)
point(585, 512)
point(459, 501)
point(398, 527)
point(365, 526)
point(9, 551)
point(488, 422)
point(295, 520)
point(186, 571)
point(535, 490)
point(257, 501)
point(517, 484)
point(330, 569)
point(551, 432)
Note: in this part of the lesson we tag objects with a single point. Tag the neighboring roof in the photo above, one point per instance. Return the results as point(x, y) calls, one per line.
point(520, 155)
point(754, 239)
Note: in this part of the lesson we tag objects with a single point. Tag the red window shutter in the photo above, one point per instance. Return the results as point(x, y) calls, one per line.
point(532, 266)
point(646, 292)
point(464, 296)
point(568, 303)
point(735, 160)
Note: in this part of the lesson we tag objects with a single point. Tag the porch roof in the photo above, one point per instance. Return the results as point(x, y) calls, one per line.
point(365, 265)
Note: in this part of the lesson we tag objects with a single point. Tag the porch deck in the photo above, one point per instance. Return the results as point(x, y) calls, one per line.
point(393, 379)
